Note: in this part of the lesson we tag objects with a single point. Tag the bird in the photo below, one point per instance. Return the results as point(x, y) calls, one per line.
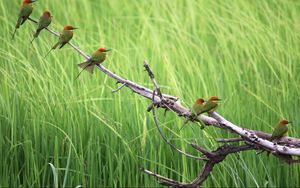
point(211, 105)
point(197, 106)
point(44, 22)
point(96, 58)
point(200, 107)
point(65, 36)
point(197, 110)
point(24, 13)
point(280, 129)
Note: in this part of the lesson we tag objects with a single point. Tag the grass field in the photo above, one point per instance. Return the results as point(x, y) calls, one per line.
point(246, 52)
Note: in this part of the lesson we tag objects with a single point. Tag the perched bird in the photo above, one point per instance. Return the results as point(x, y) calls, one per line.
point(24, 13)
point(198, 106)
point(97, 58)
point(211, 105)
point(280, 130)
point(44, 22)
point(65, 36)
point(197, 110)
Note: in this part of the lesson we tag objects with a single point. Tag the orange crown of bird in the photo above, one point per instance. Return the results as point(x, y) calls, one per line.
point(27, 1)
point(283, 121)
point(199, 101)
point(214, 98)
point(69, 27)
point(103, 50)
point(47, 13)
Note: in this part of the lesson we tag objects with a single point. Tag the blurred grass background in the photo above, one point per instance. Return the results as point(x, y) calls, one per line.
point(246, 52)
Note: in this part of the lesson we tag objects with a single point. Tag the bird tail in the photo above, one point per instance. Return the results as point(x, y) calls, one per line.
point(17, 27)
point(13, 35)
point(86, 66)
point(62, 45)
point(36, 34)
point(20, 20)
point(54, 47)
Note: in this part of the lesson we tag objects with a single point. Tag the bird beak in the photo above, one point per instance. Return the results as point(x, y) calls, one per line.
point(290, 122)
point(32, 1)
point(74, 28)
point(218, 99)
point(107, 50)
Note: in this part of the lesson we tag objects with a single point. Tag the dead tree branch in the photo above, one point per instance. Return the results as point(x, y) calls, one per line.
point(284, 148)
point(214, 157)
point(229, 139)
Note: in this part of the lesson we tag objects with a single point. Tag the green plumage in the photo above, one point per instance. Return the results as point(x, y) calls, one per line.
point(279, 131)
point(96, 58)
point(209, 106)
point(197, 108)
point(25, 11)
point(64, 38)
point(44, 22)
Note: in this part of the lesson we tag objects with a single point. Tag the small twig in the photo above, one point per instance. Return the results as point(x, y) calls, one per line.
point(119, 88)
point(151, 75)
point(202, 150)
point(229, 139)
point(164, 180)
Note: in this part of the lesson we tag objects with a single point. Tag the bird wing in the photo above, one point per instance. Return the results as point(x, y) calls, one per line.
point(25, 11)
point(65, 36)
point(88, 65)
point(209, 107)
point(98, 58)
point(197, 108)
point(43, 22)
point(279, 131)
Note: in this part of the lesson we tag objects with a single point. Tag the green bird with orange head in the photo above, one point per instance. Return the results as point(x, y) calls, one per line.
point(280, 129)
point(65, 36)
point(200, 107)
point(211, 105)
point(24, 13)
point(96, 58)
point(197, 110)
point(197, 106)
point(44, 22)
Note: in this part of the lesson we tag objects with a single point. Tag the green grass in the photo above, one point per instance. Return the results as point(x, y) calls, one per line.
point(246, 52)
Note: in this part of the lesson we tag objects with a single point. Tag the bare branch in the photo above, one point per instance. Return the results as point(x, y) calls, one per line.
point(229, 139)
point(151, 75)
point(250, 136)
point(163, 180)
point(284, 148)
